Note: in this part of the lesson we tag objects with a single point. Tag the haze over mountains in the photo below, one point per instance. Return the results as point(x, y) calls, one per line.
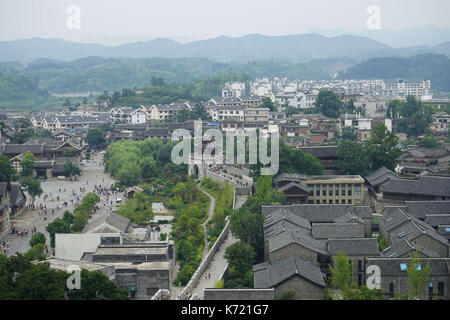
point(293, 48)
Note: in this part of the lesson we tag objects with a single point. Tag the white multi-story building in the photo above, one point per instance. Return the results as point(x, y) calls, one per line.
point(233, 90)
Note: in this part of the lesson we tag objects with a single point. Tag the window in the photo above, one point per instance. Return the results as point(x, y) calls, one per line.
point(360, 266)
point(349, 190)
point(324, 189)
point(430, 289)
point(330, 201)
point(336, 190)
point(349, 201)
point(310, 188)
point(330, 190)
point(441, 288)
point(357, 190)
point(342, 189)
point(343, 201)
point(318, 190)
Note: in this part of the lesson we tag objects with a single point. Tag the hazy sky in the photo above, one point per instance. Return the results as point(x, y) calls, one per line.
point(118, 21)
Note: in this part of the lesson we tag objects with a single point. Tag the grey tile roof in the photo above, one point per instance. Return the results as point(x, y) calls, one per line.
point(380, 176)
point(428, 186)
point(354, 247)
point(12, 149)
point(337, 230)
point(269, 276)
point(290, 185)
point(290, 177)
point(435, 220)
point(400, 224)
point(321, 152)
point(391, 266)
point(320, 213)
point(299, 237)
point(17, 196)
point(420, 209)
point(404, 248)
point(110, 224)
point(349, 217)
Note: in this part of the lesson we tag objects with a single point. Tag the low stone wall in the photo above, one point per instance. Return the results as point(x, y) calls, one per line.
point(239, 294)
point(196, 276)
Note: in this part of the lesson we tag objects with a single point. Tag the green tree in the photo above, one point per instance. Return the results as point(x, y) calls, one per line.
point(68, 217)
point(33, 187)
point(95, 137)
point(67, 103)
point(240, 257)
point(429, 142)
point(348, 133)
point(80, 219)
point(95, 285)
point(341, 272)
point(418, 276)
point(37, 238)
point(36, 252)
point(7, 171)
point(267, 103)
point(129, 174)
point(382, 149)
point(27, 164)
point(58, 225)
point(352, 158)
point(71, 170)
point(329, 104)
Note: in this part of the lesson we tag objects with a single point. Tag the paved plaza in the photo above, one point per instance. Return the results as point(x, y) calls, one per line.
point(92, 174)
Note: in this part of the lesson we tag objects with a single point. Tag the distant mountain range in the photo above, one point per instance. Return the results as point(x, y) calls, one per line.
point(293, 48)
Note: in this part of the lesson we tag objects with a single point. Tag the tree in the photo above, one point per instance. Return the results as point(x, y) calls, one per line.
point(37, 238)
point(68, 217)
point(329, 104)
point(240, 257)
point(418, 276)
point(33, 187)
point(352, 158)
point(70, 169)
point(267, 103)
point(341, 273)
point(7, 171)
point(348, 133)
point(67, 103)
point(429, 142)
point(36, 252)
point(80, 218)
point(129, 174)
point(294, 160)
point(382, 149)
point(58, 225)
point(27, 164)
point(95, 285)
point(95, 137)
point(46, 133)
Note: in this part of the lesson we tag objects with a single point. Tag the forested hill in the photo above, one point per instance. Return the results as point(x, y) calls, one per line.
point(425, 66)
point(96, 74)
point(20, 90)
